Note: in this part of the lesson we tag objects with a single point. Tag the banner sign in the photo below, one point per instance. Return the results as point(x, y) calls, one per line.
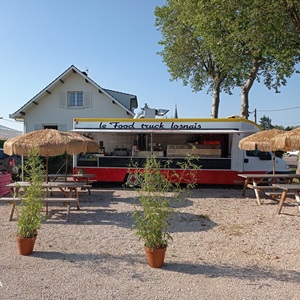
point(115, 125)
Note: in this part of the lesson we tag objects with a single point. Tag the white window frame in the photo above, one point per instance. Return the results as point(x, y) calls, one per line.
point(78, 100)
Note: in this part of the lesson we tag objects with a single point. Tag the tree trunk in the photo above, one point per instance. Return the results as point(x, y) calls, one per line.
point(244, 113)
point(245, 102)
point(216, 99)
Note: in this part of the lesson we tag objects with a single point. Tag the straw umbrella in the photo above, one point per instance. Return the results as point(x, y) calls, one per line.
point(50, 142)
point(261, 141)
point(288, 141)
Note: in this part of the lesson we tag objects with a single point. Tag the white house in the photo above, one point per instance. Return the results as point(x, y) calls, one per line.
point(73, 94)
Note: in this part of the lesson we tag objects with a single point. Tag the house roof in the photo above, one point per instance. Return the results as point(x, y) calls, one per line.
point(7, 133)
point(127, 101)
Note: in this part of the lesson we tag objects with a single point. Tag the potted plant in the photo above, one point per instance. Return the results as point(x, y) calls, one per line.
point(30, 209)
point(156, 193)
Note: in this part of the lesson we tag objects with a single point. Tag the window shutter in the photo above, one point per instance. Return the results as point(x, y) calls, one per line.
point(87, 99)
point(62, 99)
point(62, 127)
point(38, 127)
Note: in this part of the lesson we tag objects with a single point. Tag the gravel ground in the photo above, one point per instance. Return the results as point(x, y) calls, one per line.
point(224, 247)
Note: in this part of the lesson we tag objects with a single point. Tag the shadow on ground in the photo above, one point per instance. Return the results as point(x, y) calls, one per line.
point(96, 262)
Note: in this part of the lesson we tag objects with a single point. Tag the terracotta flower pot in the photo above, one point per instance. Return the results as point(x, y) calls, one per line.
point(155, 257)
point(25, 245)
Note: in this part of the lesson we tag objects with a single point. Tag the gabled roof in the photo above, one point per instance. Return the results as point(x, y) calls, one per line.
point(7, 133)
point(127, 101)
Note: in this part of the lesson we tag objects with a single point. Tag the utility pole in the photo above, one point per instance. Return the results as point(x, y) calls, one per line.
point(254, 112)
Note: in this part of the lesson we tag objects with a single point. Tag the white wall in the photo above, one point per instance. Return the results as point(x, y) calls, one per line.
point(49, 112)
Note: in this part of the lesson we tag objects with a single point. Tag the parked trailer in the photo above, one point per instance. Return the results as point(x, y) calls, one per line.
point(127, 142)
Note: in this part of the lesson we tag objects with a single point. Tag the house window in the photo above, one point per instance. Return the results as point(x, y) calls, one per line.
point(75, 99)
point(50, 127)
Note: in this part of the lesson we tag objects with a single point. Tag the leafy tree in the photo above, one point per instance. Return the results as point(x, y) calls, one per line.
point(269, 46)
point(260, 43)
point(279, 127)
point(266, 123)
point(225, 43)
point(186, 53)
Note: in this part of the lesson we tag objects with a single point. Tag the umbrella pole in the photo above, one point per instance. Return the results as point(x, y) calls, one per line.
point(67, 164)
point(274, 161)
point(47, 169)
point(22, 159)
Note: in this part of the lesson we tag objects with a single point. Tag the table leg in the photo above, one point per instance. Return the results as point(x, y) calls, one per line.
point(88, 185)
point(68, 210)
point(245, 187)
point(66, 193)
point(76, 196)
point(13, 206)
point(47, 208)
point(297, 196)
point(16, 192)
point(256, 191)
point(282, 199)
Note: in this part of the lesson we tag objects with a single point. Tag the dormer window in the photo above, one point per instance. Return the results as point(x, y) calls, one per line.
point(75, 99)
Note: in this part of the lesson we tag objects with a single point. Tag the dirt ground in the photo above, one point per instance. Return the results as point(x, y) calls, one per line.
point(224, 246)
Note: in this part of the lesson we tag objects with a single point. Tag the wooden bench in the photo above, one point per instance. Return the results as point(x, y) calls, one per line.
point(68, 201)
point(268, 190)
point(278, 194)
point(261, 187)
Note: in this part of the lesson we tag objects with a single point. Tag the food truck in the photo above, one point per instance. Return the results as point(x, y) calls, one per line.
point(124, 143)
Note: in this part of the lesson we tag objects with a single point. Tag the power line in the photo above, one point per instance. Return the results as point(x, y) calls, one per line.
point(281, 109)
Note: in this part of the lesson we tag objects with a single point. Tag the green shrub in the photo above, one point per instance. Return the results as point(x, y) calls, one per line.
point(30, 209)
point(157, 189)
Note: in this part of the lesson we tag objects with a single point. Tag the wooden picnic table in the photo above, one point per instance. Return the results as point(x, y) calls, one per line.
point(264, 182)
point(68, 188)
point(85, 178)
point(286, 188)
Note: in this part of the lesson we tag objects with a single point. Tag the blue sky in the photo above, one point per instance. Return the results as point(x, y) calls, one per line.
point(117, 42)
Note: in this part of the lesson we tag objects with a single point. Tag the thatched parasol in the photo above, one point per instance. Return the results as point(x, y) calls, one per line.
point(261, 141)
point(50, 142)
point(287, 141)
